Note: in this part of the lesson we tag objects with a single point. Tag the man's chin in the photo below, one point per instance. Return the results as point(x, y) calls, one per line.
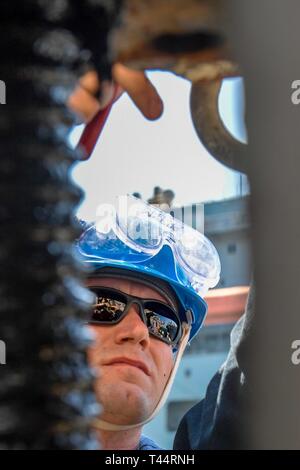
point(124, 403)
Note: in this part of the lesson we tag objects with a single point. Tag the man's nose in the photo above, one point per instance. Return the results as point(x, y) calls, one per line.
point(132, 328)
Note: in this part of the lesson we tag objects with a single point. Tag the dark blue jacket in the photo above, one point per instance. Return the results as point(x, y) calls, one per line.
point(217, 420)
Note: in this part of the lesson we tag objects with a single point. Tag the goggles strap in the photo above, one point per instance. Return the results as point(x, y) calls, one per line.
point(106, 426)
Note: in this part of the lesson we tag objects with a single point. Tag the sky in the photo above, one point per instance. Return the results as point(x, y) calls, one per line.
point(135, 155)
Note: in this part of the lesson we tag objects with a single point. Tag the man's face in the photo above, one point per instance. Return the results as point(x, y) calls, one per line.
point(132, 366)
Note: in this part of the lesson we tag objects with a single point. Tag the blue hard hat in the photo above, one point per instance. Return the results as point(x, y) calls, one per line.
point(101, 250)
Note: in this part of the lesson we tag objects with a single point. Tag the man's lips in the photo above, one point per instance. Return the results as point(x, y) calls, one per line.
point(132, 362)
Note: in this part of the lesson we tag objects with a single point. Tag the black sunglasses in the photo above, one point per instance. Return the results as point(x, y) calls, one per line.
point(111, 306)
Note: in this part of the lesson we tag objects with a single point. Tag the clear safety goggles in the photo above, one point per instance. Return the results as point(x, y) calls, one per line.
point(134, 231)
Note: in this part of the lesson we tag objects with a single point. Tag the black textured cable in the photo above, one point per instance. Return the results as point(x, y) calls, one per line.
point(46, 397)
